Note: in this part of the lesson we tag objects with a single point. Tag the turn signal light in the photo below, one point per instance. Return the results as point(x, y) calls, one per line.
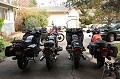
point(98, 50)
point(111, 51)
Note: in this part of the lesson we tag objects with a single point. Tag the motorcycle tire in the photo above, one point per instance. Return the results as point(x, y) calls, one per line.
point(117, 73)
point(49, 63)
point(100, 62)
point(76, 61)
point(22, 62)
point(60, 37)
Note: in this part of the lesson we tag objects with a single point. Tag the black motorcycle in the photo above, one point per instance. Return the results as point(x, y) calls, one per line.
point(50, 50)
point(24, 50)
point(111, 69)
point(75, 46)
point(101, 49)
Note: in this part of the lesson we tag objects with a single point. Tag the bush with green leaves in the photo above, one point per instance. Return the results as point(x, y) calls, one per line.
point(31, 18)
point(1, 22)
point(2, 47)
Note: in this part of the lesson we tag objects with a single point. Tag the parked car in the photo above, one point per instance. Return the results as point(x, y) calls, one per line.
point(110, 32)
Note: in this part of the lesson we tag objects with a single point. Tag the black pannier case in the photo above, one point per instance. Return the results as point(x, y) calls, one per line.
point(9, 51)
point(114, 49)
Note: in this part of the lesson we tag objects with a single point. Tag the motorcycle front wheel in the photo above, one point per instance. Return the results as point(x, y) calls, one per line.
point(60, 37)
point(22, 62)
point(100, 62)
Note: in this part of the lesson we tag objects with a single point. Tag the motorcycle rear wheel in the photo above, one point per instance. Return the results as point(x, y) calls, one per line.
point(100, 62)
point(76, 61)
point(49, 63)
point(22, 62)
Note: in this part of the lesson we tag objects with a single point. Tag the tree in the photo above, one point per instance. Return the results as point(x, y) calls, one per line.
point(112, 9)
point(85, 6)
point(33, 3)
point(24, 3)
point(31, 18)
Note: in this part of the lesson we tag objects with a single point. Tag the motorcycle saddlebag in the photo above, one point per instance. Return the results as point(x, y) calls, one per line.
point(9, 51)
point(31, 50)
point(92, 48)
point(114, 49)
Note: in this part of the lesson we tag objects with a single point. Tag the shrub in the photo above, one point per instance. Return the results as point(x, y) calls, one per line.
point(30, 18)
point(1, 22)
point(2, 47)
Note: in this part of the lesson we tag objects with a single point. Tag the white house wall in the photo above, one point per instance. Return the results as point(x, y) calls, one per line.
point(8, 26)
point(73, 19)
point(58, 19)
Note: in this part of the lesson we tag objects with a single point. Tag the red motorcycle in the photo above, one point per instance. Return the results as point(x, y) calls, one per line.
point(101, 49)
point(60, 36)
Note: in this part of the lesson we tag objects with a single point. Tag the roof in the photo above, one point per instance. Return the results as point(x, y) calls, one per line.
point(55, 8)
point(3, 4)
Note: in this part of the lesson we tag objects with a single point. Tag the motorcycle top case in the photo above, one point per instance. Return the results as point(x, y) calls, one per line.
point(71, 31)
point(114, 49)
point(9, 51)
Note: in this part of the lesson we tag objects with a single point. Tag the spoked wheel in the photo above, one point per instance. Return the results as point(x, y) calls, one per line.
point(22, 62)
point(60, 37)
point(100, 62)
point(76, 61)
point(117, 74)
point(49, 62)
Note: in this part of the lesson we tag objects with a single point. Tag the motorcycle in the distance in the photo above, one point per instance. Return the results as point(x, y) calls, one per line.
point(75, 48)
point(60, 36)
point(101, 49)
point(50, 50)
point(25, 49)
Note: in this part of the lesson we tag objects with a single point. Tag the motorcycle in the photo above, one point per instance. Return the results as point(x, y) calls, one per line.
point(25, 49)
point(50, 50)
point(111, 69)
point(60, 36)
point(100, 49)
point(75, 46)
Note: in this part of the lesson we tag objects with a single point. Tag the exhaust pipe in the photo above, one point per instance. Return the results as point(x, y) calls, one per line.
point(42, 57)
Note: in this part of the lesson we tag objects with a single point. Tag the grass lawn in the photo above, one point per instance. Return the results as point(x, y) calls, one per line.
point(118, 45)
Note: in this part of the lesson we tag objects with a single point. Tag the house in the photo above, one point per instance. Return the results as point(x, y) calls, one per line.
point(7, 12)
point(61, 15)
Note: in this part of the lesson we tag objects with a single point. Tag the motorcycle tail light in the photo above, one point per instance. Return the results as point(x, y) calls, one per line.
point(105, 49)
point(98, 50)
point(77, 49)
